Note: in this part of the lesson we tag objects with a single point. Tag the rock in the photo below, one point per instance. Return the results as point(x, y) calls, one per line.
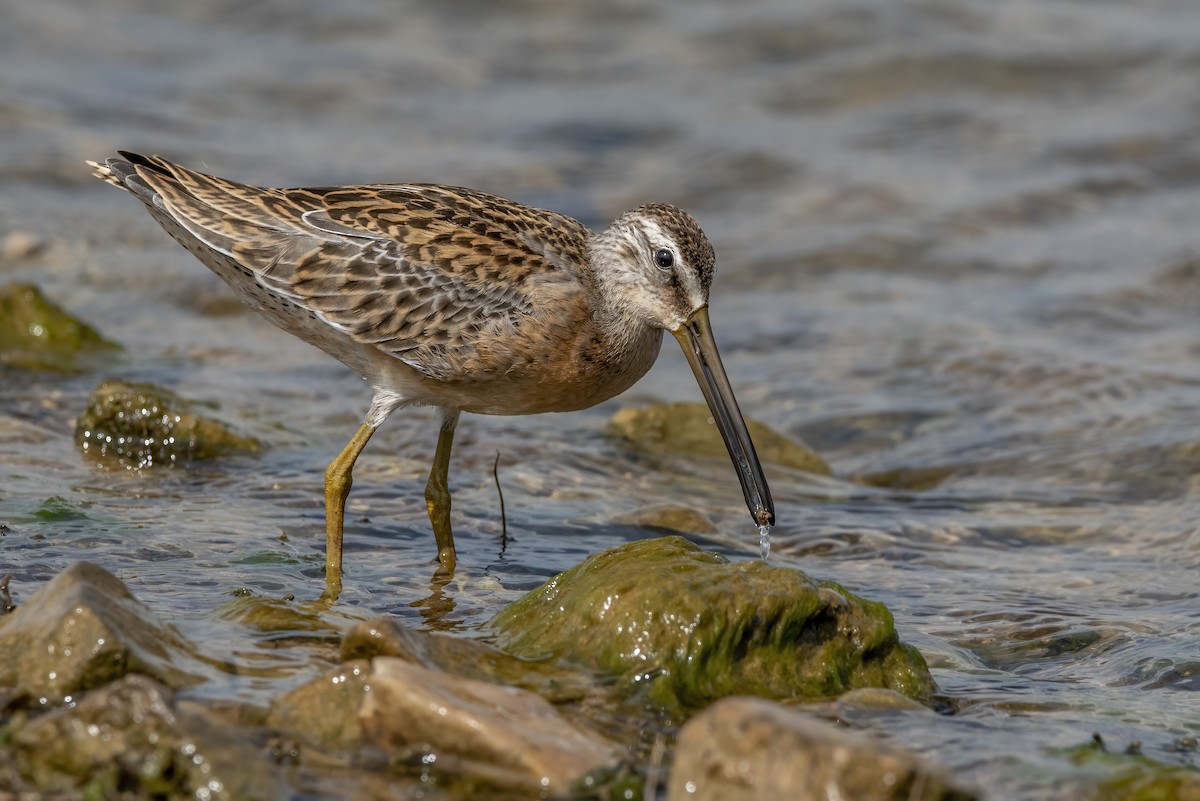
point(386, 636)
point(21, 245)
point(35, 334)
point(81, 630)
point(504, 736)
point(681, 627)
point(138, 426)
point(670, 517)
point(277, 615)
point(130, 740)
point(466, 658)
point(1126, 773)
point(688, 428)
point(325, 712)
point(747, 748)
point(871, 702)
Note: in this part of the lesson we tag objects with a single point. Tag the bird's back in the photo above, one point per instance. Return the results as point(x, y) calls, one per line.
point(484, 303)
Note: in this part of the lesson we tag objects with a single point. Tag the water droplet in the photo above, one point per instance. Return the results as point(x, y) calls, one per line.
point(764, 541)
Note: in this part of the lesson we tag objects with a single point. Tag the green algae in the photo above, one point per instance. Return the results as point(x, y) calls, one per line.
point(36, 334)
point(680, 627)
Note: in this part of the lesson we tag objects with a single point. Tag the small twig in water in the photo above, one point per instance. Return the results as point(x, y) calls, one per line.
point(500, 492)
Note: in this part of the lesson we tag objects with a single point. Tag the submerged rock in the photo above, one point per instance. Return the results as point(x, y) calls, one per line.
point(747, 748)
point(465, 657)
point(36, 334)
point(682, 627)
point(137, 426)
point(1129, 775)
point(81, 630)
point(670, 517)
point(21, 245)
point(688, 428)
point(131, 740)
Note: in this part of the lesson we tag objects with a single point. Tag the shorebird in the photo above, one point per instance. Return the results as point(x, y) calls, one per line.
point(454, 298)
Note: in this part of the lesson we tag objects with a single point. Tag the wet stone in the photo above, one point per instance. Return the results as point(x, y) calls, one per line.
point(748, 748)
point(386, 636)
point(503, 736)
point(139, 426)
point(325, 712)
point(81, 630)
point(36, 334)
point(464, 657)
point(131, 739)
point(688, 428)
point(681, 627)
point(464, 729)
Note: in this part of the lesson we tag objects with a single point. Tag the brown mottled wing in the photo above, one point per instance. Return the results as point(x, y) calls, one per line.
point(420, 271)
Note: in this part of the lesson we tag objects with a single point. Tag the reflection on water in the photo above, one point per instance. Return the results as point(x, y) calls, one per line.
point(958, 256)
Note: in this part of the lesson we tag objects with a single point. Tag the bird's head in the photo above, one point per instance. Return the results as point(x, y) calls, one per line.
point(655, 267)
point(657, 264)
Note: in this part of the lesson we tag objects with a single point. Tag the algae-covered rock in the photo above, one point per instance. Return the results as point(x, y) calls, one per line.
point(688, 428)
point(35, 334)
point(81, 630)
point(137, 426)
point(131, 739)
point(685, 627)
point(744, 749)
point(1131, 775)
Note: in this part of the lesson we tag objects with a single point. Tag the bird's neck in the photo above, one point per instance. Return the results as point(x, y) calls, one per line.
point(617, 321)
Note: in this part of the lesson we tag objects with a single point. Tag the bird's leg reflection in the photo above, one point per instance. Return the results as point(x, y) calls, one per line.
point(437, 606)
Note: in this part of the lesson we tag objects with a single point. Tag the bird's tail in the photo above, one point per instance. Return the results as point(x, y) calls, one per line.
point(123, 172)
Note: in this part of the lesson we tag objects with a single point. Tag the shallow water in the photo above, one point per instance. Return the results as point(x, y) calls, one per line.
point(958, 255)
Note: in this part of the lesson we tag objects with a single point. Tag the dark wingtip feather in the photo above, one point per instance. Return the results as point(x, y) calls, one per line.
point(147, 162)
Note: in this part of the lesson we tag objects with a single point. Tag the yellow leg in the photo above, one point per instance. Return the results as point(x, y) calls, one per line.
point(437, 494)
point(337, 487)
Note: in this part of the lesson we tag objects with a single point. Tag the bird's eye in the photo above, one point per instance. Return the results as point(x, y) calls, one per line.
point(664, 258)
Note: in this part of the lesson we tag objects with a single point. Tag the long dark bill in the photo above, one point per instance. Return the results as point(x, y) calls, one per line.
point(696, 338)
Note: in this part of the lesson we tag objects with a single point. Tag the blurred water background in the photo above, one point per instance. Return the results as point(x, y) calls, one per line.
point(959, 254)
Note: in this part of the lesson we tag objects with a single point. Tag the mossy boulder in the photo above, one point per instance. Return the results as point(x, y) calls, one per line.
point(680, 627)
point(688, 428)
point(36, 334)
point(138, 426)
